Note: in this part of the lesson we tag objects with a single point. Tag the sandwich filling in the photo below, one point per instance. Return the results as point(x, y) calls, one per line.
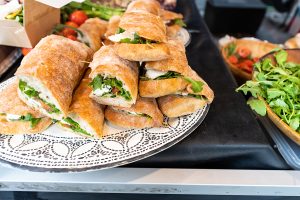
point(74, 126)
point(178, 22)
point(134, 113)
point(186, 94)
point(123, 36)
point(21, 118)
point(36, 98)
point(110, 87)
point(152, 74)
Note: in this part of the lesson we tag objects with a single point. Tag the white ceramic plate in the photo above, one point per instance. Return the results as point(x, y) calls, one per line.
point(57, 150)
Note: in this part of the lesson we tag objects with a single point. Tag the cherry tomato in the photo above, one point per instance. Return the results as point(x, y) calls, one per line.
point(255, 59)
point(246, 65)
point(68, 31)
point(72, 24)
point(72, 37)
point(243, 52)
point(78, 17)
point(25, 51)
point(233, 59)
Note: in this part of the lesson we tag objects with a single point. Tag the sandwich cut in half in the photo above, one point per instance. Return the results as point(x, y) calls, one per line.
point(150, 6)
point(187, 101)
point(85, 116)
point(144, 113)
point(174, 22)
point(18, 118)
point(114, 80)
point(141, 36)
point(113, 25)
point(165, 77)
point(49, 74)
point(93, 30)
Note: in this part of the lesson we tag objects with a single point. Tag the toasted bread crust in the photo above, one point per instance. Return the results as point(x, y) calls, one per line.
point(146, 25)
point(158, 88)
point(88, 110)
point(94, 29)
point(142, 52)
point(56, 63)
point(143, 105)
point(176, 106)
point(150, 6)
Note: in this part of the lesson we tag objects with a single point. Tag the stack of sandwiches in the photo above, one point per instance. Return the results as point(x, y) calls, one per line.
point(137, 77)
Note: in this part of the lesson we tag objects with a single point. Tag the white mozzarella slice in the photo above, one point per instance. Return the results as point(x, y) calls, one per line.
point(152, 74)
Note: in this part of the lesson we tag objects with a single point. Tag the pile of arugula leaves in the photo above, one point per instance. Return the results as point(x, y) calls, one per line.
point(99, 82)
point(279, 85)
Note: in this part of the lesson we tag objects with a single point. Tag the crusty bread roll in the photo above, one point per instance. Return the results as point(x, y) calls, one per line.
point(107, 65)
point(144, 113)
point(13, 111)
point(88, 114)
point(50, 73)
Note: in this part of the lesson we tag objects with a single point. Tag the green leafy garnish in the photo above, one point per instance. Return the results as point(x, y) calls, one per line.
point(75, 126)
point(258, 106)
point(137, 40)
point(196, 96)
point(29, 91)
point(197, 86)
point(53, 107)
point(29, 118)
point(32, 93)
point(278, 83)
point(169, 74)
point(99, 83)
point(230, 49)
point(91, 9)
point(120, 30)
point(179, 22)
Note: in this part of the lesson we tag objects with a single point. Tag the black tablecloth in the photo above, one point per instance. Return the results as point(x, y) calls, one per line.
point(230, 136)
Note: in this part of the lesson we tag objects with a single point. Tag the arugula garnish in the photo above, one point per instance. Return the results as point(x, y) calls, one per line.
point(32, 93)
point(169, 74)
point(99, 82)
point(179, 22)
point(137, 40)
point(29, 91)
point(75, 126)
point(279, 84)
point(197, 86)
point(120, 30)
point(28, 118)
point(196, 96)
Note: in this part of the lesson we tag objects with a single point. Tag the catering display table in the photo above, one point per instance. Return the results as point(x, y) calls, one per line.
point(229, 138)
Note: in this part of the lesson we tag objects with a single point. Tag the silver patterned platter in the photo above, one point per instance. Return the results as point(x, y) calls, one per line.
point(57, 150)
